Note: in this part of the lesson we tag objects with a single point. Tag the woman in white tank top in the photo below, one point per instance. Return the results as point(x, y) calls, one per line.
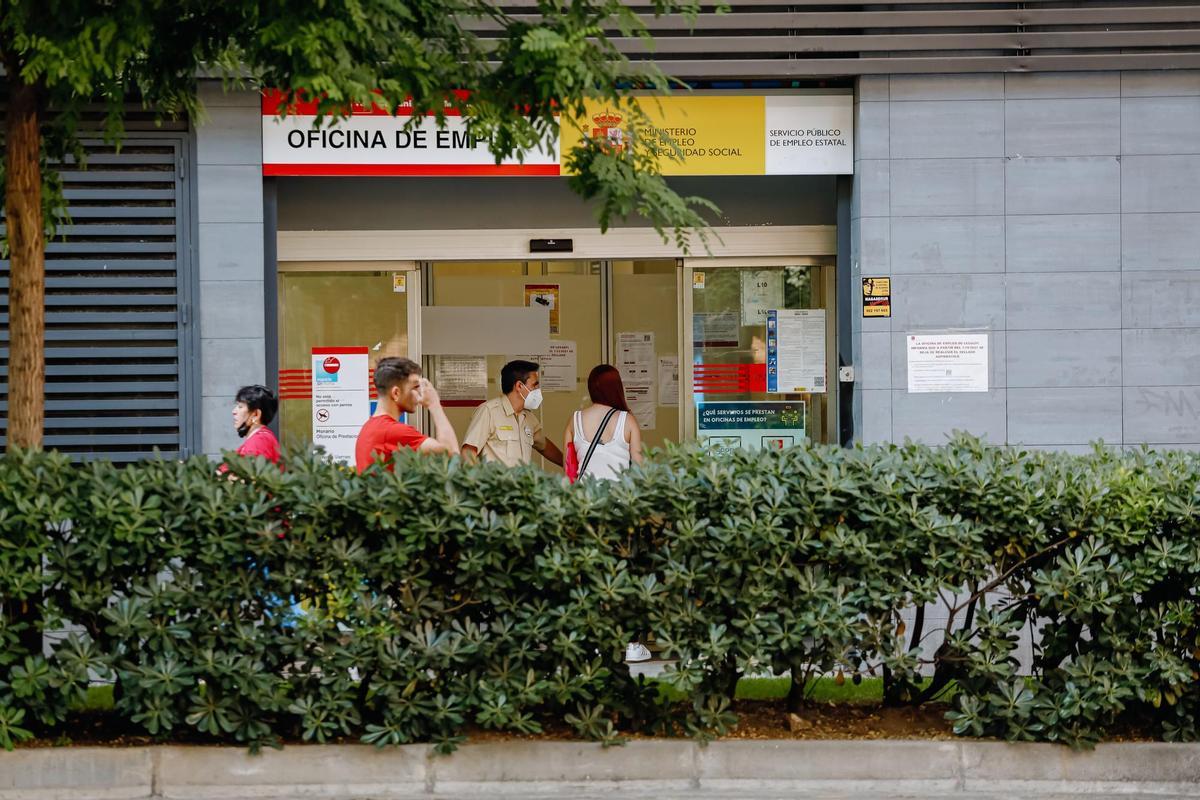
point(620, 443)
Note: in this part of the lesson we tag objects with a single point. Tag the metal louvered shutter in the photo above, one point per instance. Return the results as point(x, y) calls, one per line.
point(118, 339)
point(770, 39)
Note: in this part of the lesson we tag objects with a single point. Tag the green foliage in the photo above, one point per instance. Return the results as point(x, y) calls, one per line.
point(410, 606)
point(521, 72)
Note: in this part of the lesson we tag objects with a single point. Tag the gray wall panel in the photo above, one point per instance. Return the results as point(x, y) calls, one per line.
point(947, 187)
point(875, 245)
point(1160, 184)
point(226, 140)
point(1062, 242)
point(1061, 85)
point(1165, 415)
point(1049, 301)
point(1091, 233)
point(1062, 127)
point(947, 129)
point(876, 416)
point(1160, 241)
point(1089, 185)
point(1064, 358)
point(230, 193)
point(1161, 83)
point(872, 188)
point(1162, 299)
point(931, 418)
point(231, 309)
point(228, 365)
point(947, 244)
point(231, 251)
point(1160, 125)
point(947, 87)
point(922, 302)
point(1064, 416)
point(1162, 357)
point(876, 363)
point(872, 129)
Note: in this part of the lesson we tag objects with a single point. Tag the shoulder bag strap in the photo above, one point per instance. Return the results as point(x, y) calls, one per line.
point(595, 440)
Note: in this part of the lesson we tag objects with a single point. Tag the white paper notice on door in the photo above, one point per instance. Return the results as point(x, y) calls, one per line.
point(635, 356)
point(796, 351)
point(643, 403)
point(947, 362)
point(461, 377)
point(341, 399)
point(559, 367)
point(762, 290)
point(668, 380)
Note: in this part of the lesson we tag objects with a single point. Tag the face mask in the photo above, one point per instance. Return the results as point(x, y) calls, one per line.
point(533, 400)
point(243, 429)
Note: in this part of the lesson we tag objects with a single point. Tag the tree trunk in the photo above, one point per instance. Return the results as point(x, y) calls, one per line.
point(27, 270)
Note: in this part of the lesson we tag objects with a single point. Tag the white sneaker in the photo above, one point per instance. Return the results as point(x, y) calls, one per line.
point(637, 652)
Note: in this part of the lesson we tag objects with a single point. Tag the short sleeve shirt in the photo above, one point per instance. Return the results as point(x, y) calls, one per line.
point(500, 434)
point(384, 435)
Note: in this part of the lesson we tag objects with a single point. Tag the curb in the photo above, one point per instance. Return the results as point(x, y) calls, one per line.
point(361, 772)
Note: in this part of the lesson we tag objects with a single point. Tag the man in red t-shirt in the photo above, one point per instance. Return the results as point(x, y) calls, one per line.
point(400, 387)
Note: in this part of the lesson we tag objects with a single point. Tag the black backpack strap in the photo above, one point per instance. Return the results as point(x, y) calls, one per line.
point(595, 441)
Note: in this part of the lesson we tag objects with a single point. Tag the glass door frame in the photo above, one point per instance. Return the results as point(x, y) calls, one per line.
point(826, 265)
point(424, 271)
point(413, 300)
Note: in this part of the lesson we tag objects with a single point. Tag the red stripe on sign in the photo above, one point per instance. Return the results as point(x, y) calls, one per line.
point(412, 170)
point(729, 378)
point(463, 403)
point(333, 351)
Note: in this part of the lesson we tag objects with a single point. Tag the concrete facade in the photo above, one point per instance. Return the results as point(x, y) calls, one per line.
point(1058, 213)
point(230, 223)
point(1055, 212)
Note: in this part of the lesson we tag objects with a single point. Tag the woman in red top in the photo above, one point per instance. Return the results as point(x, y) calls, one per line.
point(253, 409)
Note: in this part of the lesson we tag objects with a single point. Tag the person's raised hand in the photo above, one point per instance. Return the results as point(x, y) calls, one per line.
point(429, 395)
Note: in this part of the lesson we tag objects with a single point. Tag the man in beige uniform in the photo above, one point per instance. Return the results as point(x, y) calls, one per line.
point(503, 429)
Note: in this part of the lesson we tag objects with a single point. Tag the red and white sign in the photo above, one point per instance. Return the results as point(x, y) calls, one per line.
point(341, 398)
point(373, 142)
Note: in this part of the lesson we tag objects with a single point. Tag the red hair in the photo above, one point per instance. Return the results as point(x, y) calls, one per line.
point(605, 387)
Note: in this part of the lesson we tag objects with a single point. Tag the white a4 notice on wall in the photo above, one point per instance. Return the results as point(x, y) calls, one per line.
point(341, 395)
point(948, 362)
point(796, 351)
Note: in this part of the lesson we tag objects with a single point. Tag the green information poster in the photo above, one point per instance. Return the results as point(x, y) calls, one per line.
point(727, 426)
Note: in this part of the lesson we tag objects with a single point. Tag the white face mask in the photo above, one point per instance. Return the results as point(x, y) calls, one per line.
point(533, 400)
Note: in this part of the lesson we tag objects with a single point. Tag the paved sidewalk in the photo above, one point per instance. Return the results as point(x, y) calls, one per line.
point(624, 794)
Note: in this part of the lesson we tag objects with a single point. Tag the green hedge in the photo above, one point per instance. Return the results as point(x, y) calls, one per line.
point(446, 595)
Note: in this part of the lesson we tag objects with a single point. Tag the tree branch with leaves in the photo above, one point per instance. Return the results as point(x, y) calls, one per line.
point(523, 75)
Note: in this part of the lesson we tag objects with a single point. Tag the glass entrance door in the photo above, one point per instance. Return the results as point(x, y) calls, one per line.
point(761, 352)
point(571, 291)
point(323, 308)
point(622, 313)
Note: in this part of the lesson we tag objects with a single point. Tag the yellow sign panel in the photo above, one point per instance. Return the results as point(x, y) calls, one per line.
point(715, 135)
point(877, 286)
point(877, 297)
